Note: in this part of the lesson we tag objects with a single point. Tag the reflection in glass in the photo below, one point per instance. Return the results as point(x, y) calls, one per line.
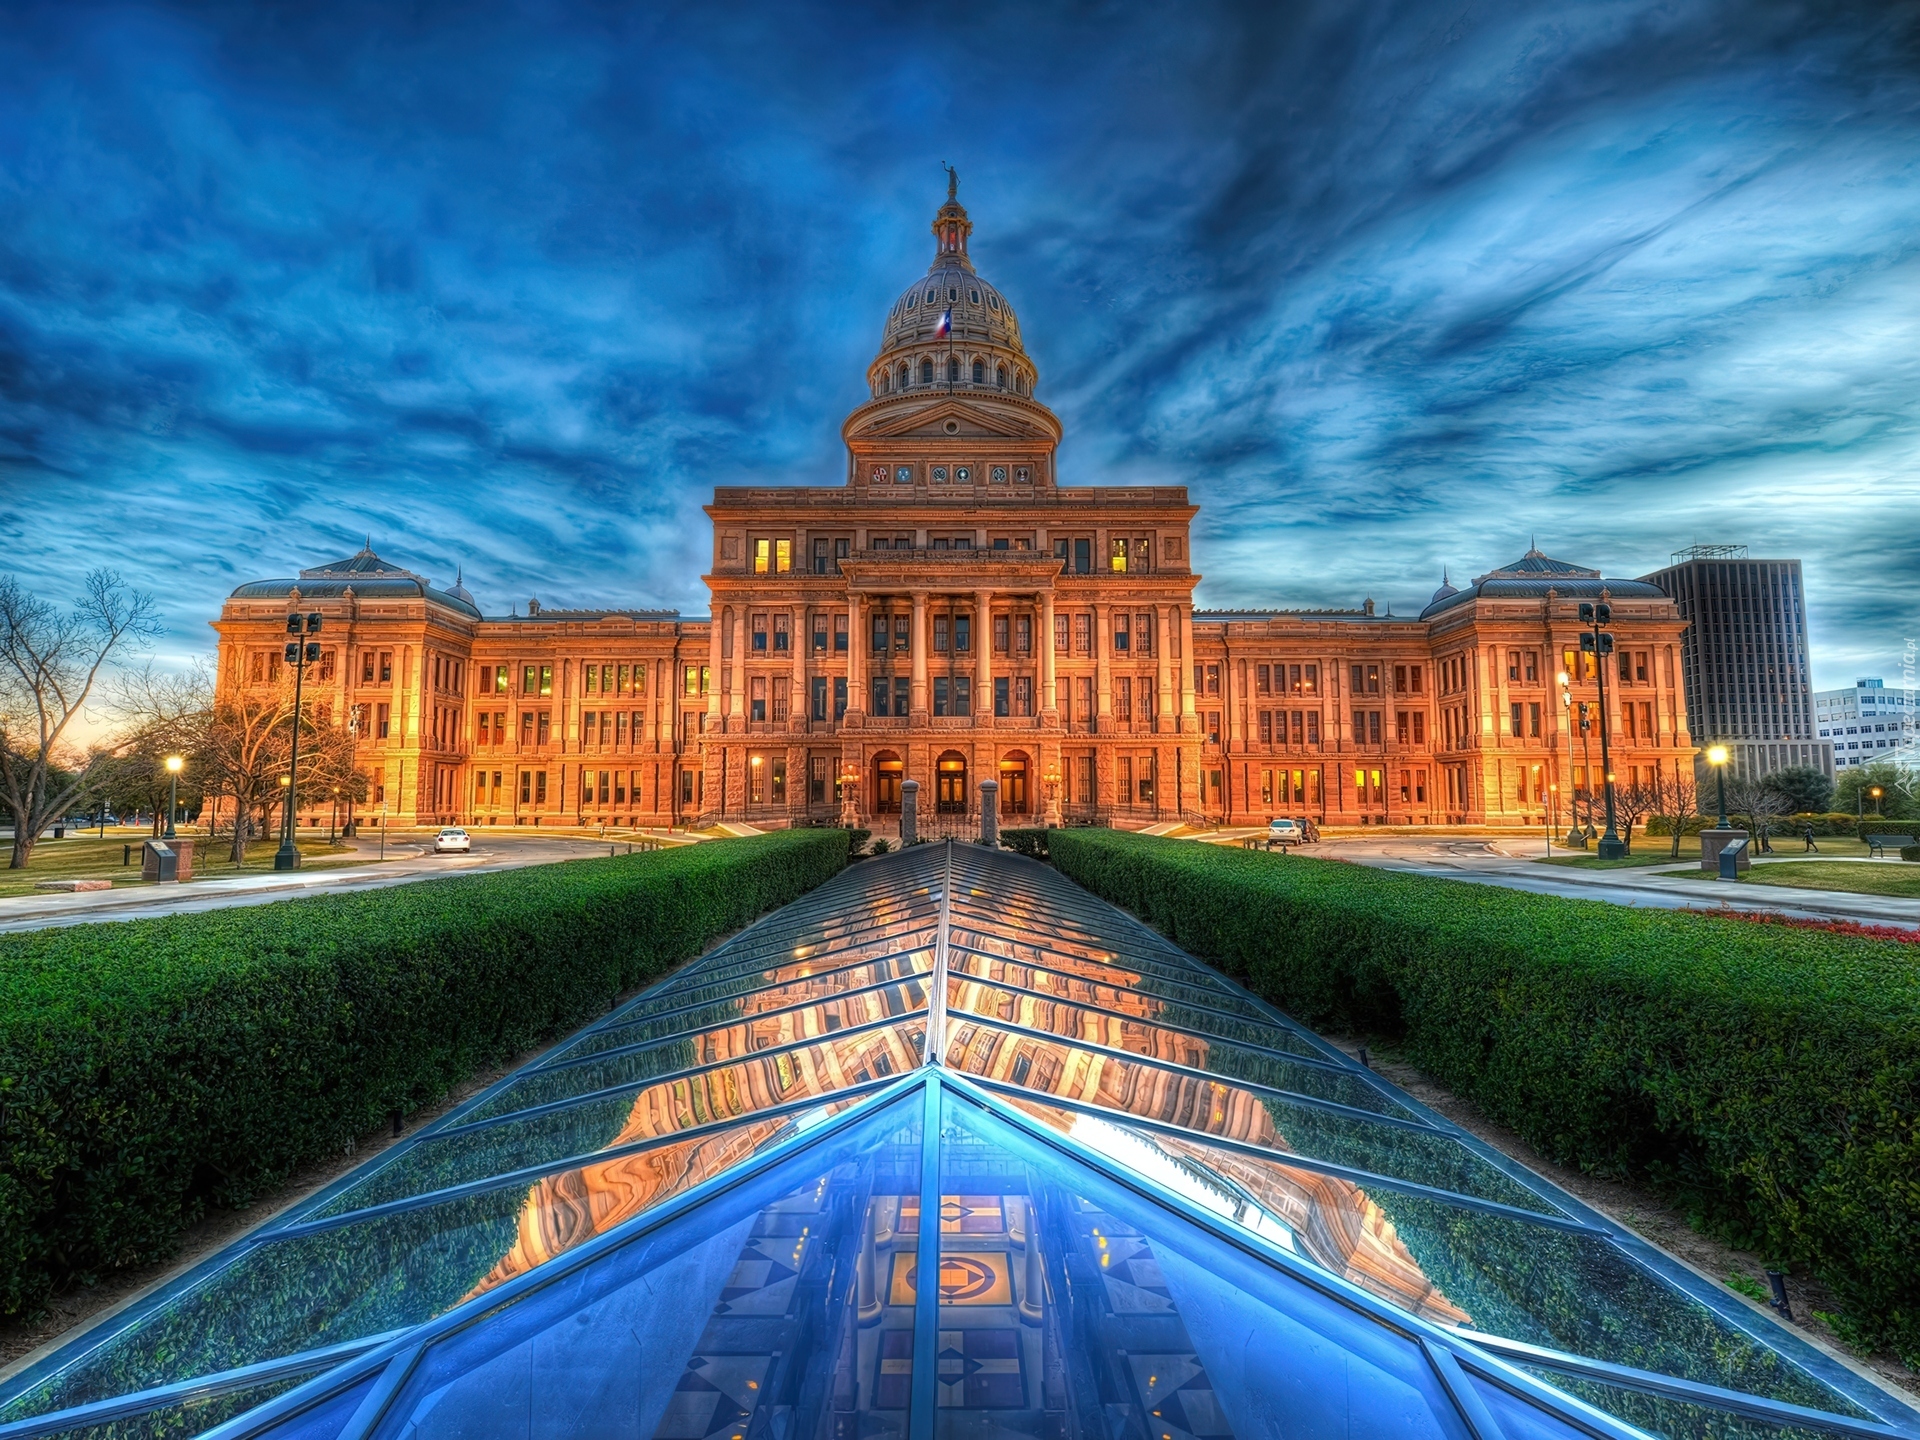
point(1211, 1107)
point(1198, 1052)
point(707, 1047)
point(1675, 1419)
point(631, 1117)
point(1068, 1306)
point(765, 1315)
point(1541, 1285)
point(388, 1271)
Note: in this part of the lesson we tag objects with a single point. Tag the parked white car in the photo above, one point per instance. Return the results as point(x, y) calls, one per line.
point(1286, 832)
point(452, 840)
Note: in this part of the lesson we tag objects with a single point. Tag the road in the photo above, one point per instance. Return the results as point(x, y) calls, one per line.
point(1513, 862)
point(408, 858)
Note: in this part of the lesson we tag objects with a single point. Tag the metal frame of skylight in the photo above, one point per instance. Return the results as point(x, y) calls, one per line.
point(936, 1078)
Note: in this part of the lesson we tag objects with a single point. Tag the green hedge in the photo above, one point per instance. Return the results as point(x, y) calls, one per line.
point(1767, 1079)
point(1027, 840)
point(153, 1067)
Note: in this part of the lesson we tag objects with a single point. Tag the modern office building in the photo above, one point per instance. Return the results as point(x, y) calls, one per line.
point(1867, 722)
point(1747, 666)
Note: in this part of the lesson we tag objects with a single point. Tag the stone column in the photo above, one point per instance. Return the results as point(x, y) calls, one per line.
point(918, 708)
point(1167, 723)
point(909, 811)
point(983, 657)
point(1189, 716)
point(856, 671)
point(990, 813)
point(799, 703)
point(713, 668)
point(1049, 699)
point(737, 703)
point(1103, 682)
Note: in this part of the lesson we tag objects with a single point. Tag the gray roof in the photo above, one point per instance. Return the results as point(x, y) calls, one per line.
point(1531, 576)
point(369, 577)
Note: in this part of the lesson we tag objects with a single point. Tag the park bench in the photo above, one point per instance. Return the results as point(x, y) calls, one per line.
point(1881, 844)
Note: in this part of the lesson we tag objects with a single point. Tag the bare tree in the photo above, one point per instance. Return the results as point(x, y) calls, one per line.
point(162, 713)
point(50, 664)
point(1760, 803)
point(1630, 804)
point(245, 753)
point(1672, 799)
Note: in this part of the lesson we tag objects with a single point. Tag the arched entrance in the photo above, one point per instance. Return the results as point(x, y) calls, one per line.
point(888, 771)
point(950, 773)
point(1013, 783)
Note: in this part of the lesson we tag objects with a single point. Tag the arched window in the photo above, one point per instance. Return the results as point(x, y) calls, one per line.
point(979, 372)
point(1000, 376)
point(953, 369)
point(926, 372)
point(886, 381)
point(904, 372)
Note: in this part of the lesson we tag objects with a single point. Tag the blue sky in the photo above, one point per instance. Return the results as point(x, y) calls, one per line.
point(1389, 287)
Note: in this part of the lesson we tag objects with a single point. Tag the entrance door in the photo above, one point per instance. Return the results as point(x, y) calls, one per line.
point(1013, 785)
point(888, 771)
point(950, 796)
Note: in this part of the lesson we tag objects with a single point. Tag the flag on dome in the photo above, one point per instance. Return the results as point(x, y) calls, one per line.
point(945, 327)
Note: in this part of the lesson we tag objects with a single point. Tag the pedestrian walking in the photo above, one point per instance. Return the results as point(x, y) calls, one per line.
point(1806, 833)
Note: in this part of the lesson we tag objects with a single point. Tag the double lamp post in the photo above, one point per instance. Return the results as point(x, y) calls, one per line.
point(299, 655)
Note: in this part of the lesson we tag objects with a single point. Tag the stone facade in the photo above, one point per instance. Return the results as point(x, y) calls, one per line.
point(951, 614)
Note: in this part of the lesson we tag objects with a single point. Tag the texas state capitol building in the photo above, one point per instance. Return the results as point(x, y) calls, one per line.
point(949, 614)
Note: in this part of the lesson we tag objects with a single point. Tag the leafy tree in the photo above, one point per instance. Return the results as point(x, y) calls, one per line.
point(1897, 801)
point(50, 664)
point(1805, 789)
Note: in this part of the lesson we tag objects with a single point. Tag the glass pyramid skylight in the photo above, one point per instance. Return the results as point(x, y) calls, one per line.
point(1157, 1210)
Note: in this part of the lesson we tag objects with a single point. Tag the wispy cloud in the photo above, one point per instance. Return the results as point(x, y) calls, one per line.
point(1389, 287)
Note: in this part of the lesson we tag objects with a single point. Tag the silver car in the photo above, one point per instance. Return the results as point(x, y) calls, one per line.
point(452, 840)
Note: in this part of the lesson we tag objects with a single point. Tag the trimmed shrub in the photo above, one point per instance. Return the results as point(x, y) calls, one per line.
point(1766, 1078)
point(857, 840)
point(1028, 840)
point(150, 1068)
point(1910, 852)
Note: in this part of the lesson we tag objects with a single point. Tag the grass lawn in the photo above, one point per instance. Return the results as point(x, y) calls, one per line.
point(91, 858)
point(1656, 851)
point(1885, 877)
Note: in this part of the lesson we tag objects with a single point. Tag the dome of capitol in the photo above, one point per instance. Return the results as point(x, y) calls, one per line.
point(951, 325)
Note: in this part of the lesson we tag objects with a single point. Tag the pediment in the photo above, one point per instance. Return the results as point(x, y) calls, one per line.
point(969, 419)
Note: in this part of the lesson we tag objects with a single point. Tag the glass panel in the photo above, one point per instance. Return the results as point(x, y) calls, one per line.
point(1534, 1283)
point(325, 1420)
point(763, 1314)
point(1673, 1419)
point(870, 964)
point(1198, 1052)
point(750, 1001)
point(1069, 1306)
point(1208, 1107)
point(1135, 995)
point(773, 963)
point(389, 1271)
point(634, 1116)
point(763, 1032)
point(186, 1418)
point(998, 935)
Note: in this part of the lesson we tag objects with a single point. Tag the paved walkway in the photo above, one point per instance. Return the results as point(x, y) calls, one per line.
point(409, 858)
point(1514, 863)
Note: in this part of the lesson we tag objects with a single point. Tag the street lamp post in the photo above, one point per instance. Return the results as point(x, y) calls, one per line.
point(1875, 792)
point(1717, 758)
point(174, 762)
point(1566, 711)
point(1598, 642)
point(298, 656)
